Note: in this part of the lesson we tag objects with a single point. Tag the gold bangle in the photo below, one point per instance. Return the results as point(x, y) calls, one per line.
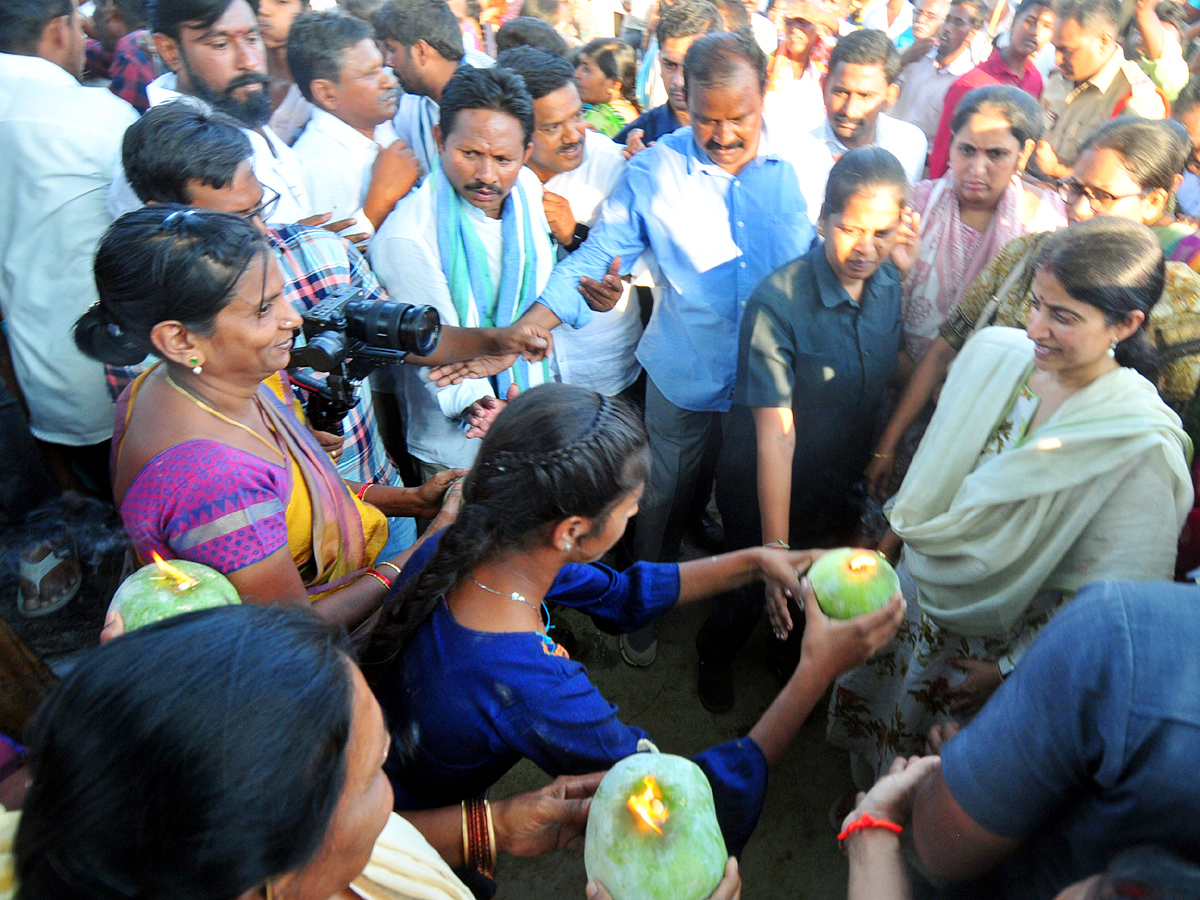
point(380, 579)
point(465, 836)
point(883, 455)
point(487, 808)
point(390, 566)
point(782, 544)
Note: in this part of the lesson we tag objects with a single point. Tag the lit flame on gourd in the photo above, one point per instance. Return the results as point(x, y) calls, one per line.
point(862, 563)
point(648, 804)
point(182, 581)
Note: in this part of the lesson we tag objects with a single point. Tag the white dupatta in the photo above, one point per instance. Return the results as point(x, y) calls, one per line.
point(983, 537)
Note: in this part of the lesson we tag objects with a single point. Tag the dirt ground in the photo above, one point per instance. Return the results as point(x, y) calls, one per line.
point(793, 853)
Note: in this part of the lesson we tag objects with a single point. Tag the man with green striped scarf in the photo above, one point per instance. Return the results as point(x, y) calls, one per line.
point(473, 242)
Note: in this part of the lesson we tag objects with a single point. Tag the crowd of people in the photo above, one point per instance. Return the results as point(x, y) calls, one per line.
point(760, 278)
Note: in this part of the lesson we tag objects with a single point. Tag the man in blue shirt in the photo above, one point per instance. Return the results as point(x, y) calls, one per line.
point(1090, 746)
point(722, 204)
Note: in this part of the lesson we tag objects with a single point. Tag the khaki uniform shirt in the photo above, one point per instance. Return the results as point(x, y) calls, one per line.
point(1073, 111)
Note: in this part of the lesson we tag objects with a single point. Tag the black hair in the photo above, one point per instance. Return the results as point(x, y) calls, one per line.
point(543, 73)
point(23, 21)
point(1027, 5)
point(858, 171)
point(1116, 266)
point(1171, 13)
point(715, 59)
point(1152, 151)
point(496, 89)
point(867, 47)
point(178, 142)
point(134, 13)
point(170, 16)
point(557, 451)
point(160, 263)
point(316, 43)
point(546, 10)
point(980, 8)
point(688, 18)
point(431, 21)
point(1150, 872)
point(1188, 99)
point(1092, 15)
point(194, 758)
point(733, 13)
point(1013, 105)
point(616, 59)
point(526, 31)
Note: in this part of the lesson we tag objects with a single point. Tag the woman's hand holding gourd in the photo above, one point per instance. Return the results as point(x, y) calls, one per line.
point(835, 646)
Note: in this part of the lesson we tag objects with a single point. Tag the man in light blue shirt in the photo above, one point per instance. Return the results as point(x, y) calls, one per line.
point(722, 204)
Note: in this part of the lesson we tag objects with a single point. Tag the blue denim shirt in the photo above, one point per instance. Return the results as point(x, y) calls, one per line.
point(715, 237)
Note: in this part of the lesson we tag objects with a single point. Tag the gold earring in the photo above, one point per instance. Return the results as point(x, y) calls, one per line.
point(196, 367)
point(270, 891)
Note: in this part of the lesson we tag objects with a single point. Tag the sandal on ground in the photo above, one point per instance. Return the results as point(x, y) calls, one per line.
point(39, 564)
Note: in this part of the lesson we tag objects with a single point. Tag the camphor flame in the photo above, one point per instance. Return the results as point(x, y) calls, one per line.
point(648, 805)
point(182, 581)
point(864, 562)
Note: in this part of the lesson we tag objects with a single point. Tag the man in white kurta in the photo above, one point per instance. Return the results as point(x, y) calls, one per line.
point(59, 143)
point(482, 185)
point(578, 169)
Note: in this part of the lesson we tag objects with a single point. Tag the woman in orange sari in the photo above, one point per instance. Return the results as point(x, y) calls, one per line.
point(211, 461)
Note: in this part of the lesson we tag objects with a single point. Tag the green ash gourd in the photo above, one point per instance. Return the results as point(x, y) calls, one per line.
point(153, 593)
point(673, 850)
point(849, 582)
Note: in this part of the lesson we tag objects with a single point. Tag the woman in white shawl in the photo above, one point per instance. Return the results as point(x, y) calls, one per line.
point(1050, 463)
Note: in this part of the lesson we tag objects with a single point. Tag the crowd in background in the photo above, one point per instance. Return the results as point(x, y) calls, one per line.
point(758, 278)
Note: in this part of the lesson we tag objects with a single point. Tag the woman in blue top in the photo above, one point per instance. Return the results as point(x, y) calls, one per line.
point(460, 654)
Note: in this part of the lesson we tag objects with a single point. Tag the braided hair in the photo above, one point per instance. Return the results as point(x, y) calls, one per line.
point(557, 451)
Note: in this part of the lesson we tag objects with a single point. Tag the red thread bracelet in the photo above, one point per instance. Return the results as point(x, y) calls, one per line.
point(865, 821)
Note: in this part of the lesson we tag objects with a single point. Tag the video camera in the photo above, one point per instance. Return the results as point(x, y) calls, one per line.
point(347, 337)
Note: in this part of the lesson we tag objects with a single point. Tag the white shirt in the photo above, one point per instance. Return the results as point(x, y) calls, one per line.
point(799, 100)
point(765, 34)
point(875, 16)
point(600, 355)
point(59, 142)
point(337, 161)
point(923, 88)
point(404, 254)
point(275, 164)
point(902, 139)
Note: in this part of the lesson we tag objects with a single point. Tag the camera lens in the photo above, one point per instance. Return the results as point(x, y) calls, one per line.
point(393, 325)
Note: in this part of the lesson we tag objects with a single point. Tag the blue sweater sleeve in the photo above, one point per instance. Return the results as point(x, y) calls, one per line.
point(616, 601)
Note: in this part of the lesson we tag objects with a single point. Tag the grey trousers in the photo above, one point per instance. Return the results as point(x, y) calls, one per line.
point(677, 440)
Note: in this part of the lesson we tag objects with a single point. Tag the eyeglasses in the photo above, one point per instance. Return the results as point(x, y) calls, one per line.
point(1101, 201)
point(266, 207)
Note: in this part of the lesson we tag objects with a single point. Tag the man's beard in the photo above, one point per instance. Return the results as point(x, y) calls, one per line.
point(252, 112)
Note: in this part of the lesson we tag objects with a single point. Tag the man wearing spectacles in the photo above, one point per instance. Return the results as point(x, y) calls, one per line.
point(1094, 83)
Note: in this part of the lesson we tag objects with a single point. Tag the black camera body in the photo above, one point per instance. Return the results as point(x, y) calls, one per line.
point(348, 336)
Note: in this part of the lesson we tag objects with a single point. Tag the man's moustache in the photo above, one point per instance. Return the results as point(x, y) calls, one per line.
point(567, 148)
point(245, 80)
point(846, 120)
point(481, 186)
point(714, 147)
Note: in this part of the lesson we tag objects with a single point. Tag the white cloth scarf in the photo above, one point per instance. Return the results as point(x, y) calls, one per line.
point(982, 538)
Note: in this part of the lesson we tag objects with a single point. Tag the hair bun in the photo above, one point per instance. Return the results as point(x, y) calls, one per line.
point(99, 337)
